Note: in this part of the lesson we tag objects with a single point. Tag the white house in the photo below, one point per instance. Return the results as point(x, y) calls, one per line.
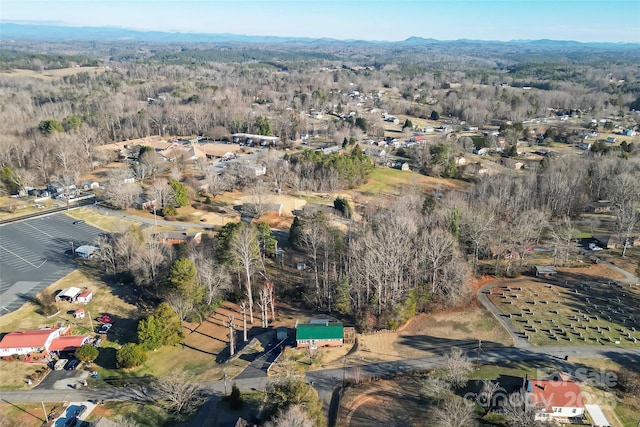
point(25, 342)
point(40, 341)
point(557, 398)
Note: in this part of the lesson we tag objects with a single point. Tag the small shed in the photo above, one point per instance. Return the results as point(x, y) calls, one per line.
point(79, 313)
point(84, 297)
point(314, 335)
point(544, 271)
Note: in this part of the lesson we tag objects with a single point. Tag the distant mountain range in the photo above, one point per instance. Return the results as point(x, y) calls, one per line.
point(34, 32)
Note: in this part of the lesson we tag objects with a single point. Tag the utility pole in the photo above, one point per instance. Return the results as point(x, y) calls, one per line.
point(225, 381)
point(46, 416)
point(90, 320)
point(478, 354)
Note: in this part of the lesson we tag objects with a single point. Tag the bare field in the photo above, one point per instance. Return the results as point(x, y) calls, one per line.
point(50, 75)
point(383, 403)
point(425, 334)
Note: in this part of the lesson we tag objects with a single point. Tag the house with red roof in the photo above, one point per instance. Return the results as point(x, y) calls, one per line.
point(556, 397)
point(41, 341)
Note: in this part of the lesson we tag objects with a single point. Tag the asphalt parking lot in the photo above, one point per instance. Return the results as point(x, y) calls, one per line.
point(32, 255)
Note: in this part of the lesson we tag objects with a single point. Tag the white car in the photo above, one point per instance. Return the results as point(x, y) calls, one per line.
point(594, 247)
point(105, 328)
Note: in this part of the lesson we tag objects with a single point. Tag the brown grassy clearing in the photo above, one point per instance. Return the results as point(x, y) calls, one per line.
point(50, 75)
point(383, 403)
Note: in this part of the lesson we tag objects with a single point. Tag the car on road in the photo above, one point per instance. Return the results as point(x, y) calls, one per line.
point(105, 328)
point(60, 364)
point(72, 365)
point(79, 221)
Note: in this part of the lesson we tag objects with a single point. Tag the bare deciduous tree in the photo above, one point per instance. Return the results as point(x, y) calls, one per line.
point(216, 183)
point(178, 392)
point(181, 304)
point(458, 368)
point(293, 416)
point(435, 388)
point(244, 251)
point(519, 411)
point(454, 412)
point(119, 192)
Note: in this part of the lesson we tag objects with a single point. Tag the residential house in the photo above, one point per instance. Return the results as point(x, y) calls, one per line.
point(40, 341)
point(629, 132)
point(90, 185)
point(69, 342)
point(30, 341)
point(510, 163)
point(178, 237)
point(614, 241)
point(477, 169)
point(329, 150)
point(600, 206)
point(319, 333)
point(556, 398)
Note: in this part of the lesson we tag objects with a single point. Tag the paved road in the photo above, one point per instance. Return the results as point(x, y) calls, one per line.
point(326, 380)
point(149, 221)
point(32, 255)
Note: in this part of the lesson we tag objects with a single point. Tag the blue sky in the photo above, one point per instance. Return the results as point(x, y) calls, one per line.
point(580, 20)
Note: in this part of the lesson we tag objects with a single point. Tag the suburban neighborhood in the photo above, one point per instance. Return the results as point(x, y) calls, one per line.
point(315, 232)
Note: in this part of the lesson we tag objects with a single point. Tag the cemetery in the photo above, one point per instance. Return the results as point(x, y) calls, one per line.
point(593, 313)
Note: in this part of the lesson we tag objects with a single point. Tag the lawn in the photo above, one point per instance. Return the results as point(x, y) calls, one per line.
point(25, 414)
point(103, 220)
point(144, 415)
point(385, 180)
point(576, 312)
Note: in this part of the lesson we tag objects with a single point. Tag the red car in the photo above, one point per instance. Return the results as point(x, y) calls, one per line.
point(105, 318)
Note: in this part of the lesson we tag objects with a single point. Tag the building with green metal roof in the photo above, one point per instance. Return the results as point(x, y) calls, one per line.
point(319, 334)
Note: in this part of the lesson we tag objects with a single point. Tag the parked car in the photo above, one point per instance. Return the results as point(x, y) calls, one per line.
point(72, 365)
point(60, 364)
point(104, 328)
point(594, 247)
point(105, 318)
point(80, 221)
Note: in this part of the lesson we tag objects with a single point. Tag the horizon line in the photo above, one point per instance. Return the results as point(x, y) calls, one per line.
point(57, 24)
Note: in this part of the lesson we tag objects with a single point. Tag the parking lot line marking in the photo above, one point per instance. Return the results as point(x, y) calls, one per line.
point(38, 229)
point(18, 256)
